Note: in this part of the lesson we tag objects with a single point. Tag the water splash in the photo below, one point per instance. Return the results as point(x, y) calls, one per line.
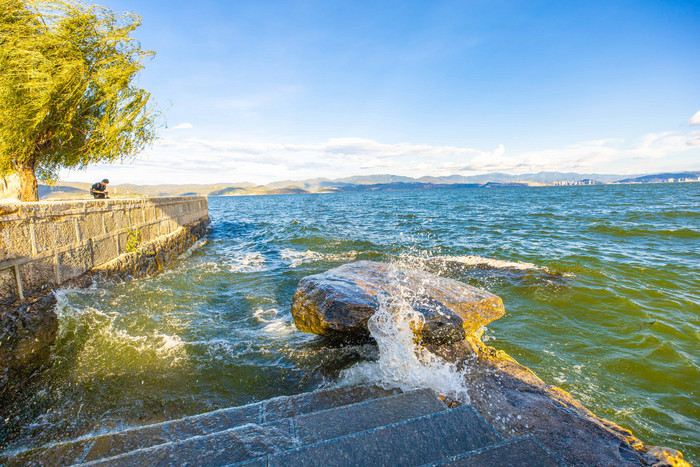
point(402, 363)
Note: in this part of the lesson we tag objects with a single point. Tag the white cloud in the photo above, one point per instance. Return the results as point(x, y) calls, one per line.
point(183, 126)
point(695, 119)
point(179, 159)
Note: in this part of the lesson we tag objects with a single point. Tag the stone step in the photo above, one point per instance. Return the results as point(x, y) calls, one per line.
point(248, 442)
point(111, 444)
point(244, 443)
point(518, 452)
point(413, 442)
point(334, 423)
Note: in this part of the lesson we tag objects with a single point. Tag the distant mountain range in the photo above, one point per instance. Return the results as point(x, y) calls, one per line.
point(384, 182)
point(664, 178)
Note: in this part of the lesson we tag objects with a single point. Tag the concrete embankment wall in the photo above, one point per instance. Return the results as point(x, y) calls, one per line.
point(46, 244)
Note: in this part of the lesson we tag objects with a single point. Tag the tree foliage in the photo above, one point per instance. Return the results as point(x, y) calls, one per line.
point(68, 96)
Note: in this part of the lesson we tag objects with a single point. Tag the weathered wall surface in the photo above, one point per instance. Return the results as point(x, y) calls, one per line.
point(46, 244)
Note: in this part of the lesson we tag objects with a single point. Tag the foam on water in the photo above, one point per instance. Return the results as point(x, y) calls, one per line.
point(402, 363)
point(248, 262)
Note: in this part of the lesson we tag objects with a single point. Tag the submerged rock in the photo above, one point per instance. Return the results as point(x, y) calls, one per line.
point(338, 303)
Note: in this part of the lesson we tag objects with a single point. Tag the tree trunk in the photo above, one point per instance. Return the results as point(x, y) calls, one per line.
point(29, 188)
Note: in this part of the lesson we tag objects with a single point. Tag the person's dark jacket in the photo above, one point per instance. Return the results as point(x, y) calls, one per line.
point(98, 187)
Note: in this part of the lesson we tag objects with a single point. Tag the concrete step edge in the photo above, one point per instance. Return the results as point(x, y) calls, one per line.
point(370, 401)
point(505, 443)
point(391, 425)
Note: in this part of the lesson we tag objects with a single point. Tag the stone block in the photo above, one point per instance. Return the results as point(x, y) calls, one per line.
point(75, 262)
point(104, 250)
point(15, 240)
point(91, 225)
point(414, 442)
point(519, 452)
point(345, 420)
point(168, 432)
point(227, 447)
point(335, 397)
point(165, 227)
point(150, 213)
point(110, 221)
point(121, 219)
point(289, 406)
point(149, 232)
point(55, 232)
point(37, 275)
point(8, 287)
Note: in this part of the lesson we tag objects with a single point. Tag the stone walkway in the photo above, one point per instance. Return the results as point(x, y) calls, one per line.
point(342, 426)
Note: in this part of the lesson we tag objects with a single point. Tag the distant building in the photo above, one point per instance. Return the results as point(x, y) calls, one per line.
point(586, 181)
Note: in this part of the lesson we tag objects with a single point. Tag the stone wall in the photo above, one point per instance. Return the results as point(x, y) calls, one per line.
point(45, 244)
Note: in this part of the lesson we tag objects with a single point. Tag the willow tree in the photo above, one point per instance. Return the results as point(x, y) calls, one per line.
point(68, 96)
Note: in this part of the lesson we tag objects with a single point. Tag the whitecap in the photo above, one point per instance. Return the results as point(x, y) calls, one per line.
point(481, 261)
point(297, 258)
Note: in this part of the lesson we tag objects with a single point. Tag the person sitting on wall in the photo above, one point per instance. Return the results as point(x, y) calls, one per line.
point(99, 189)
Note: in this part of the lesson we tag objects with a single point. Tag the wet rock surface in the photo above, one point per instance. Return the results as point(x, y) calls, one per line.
point(518, 403)
point(27, 331)
point(338, 303)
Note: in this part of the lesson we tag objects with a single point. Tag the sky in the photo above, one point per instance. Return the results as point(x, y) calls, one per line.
point(262, 91)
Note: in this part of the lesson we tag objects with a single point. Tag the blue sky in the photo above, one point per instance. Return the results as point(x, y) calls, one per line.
point(270, 90)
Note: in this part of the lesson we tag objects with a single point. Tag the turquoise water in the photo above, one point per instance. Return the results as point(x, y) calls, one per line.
point(601, 286)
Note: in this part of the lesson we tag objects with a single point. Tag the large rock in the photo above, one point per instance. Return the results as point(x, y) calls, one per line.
point(339, 302)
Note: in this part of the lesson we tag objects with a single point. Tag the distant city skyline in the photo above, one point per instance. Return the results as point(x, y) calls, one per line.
point(268, 91)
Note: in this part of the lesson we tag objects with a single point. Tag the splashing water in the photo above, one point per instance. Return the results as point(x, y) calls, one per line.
point(402, 363)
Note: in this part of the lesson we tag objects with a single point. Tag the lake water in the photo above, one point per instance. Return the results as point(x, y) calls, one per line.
point(601, 286)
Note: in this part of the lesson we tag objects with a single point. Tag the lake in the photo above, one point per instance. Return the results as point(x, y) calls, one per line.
point(601, 286)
